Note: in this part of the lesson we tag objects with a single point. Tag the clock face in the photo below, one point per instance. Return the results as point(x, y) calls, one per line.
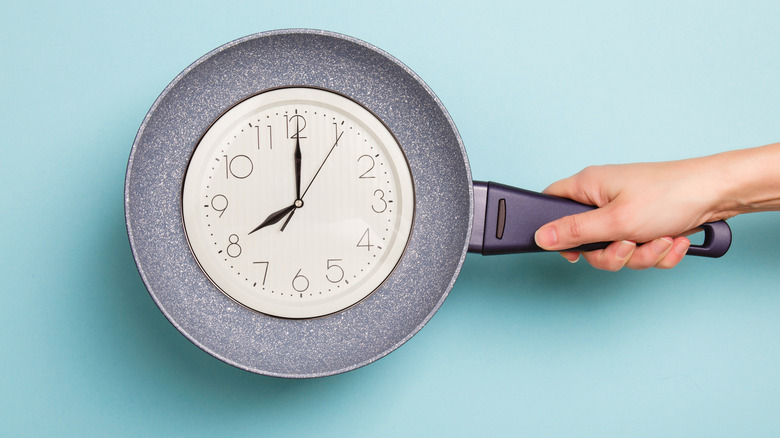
point(298, 202)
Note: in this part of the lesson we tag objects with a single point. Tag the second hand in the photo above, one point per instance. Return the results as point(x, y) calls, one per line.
point(323, 163)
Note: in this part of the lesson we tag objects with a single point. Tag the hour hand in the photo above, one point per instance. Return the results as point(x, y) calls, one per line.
point(274, 217)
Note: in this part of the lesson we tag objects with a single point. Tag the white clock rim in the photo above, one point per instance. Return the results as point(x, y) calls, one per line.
point(286, 309)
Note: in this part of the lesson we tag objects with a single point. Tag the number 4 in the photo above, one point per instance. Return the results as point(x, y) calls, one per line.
point(365, 241)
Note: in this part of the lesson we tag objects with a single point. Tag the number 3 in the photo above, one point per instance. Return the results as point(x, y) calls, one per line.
point(381, 198)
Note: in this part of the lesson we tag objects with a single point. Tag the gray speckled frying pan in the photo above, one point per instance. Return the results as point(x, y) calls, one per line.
point(445, 202)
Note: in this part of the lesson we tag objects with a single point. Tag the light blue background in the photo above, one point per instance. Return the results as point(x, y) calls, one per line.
point(525, 345)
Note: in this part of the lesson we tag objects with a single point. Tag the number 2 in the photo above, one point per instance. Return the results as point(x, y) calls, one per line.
point(299, 125)
point(365, 174)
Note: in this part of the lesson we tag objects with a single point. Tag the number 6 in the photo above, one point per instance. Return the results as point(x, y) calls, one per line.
point(300, 277)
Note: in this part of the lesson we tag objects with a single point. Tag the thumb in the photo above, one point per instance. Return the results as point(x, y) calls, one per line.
point(575, 230)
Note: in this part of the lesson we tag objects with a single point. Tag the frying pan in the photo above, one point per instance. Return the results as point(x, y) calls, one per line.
point(446, 199)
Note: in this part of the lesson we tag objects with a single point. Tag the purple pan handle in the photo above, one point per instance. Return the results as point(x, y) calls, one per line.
point(506, 219)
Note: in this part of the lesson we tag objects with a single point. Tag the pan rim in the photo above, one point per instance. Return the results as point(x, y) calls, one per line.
point(392, 314)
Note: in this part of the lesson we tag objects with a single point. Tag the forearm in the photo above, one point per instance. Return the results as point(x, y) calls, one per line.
point(748, 180)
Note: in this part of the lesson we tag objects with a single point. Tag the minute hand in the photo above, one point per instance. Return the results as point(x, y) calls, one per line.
point(297, 159)
point(297, 156)
point(323, 163)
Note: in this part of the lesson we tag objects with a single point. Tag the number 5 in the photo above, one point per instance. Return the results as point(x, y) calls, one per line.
point(334, 269)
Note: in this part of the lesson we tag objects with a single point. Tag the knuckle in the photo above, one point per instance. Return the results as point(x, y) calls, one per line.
point(574, 226)
point(639, 265)
point(589, 172)
point(601, 260)
point(668, 262)
point(610, 267)
point(640, 260)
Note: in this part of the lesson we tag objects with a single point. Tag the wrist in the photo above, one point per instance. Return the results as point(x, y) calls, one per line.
point(745, 181)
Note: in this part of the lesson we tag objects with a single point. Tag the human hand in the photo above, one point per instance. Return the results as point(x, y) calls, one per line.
point(650, 203)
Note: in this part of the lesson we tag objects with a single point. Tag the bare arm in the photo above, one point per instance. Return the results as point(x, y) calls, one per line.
point(659, 202)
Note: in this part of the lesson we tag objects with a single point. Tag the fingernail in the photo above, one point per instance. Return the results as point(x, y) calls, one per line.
point(546, 237)
point(682, 248)
point(625, 249)
point(663, 245)
point(570, 256)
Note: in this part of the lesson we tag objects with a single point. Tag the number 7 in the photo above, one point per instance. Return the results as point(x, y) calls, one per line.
point(265, 274)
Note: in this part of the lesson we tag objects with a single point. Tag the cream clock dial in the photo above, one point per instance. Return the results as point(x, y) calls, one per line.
point(298, 202)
